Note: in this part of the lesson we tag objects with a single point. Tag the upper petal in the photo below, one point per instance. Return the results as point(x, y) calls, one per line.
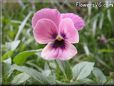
point(50, 53)
point(78, 21)
point(45, 31)
point(67, 28)
point(52, 14)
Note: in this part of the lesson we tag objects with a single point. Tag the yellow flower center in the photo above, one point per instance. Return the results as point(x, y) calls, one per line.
point(59, 38)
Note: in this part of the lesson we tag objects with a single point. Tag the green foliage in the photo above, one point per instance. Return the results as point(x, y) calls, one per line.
point(100, 77)
point(22, 57)
point(65, 68)
point(82, 70)
point(21, 60)
point(20, 78)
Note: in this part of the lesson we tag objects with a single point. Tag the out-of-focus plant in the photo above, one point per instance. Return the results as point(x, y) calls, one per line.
point(21, 55)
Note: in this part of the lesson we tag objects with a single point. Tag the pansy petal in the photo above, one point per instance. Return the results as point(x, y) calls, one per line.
point(45, 31)
point(50, 53)
point(52, 14)
point(78, 21)
point(67, 29)
point(69, 52)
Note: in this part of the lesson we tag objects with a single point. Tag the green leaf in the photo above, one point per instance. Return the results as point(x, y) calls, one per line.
point(31, 72)
point(86, 49)
point(51, 79)
point(61, 83)
point(20, 58)
point(34, 65)
point(100, 77)
point(52, 65)
point(109, 15)
point(0, 72)
point(84, 81)
point(7, 55)
point(12, 45)
point(82, 70)
point(23, 23)
point(8, 61)
point(65, 68)
point(38, 76)
point(46, 72)
point(5, 72)
point(101, 21)
point(20, 78)
point(106, 50)
point(110, 81)
point(87, 81)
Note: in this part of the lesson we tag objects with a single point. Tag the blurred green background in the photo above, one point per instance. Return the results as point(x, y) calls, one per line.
point(96, 41)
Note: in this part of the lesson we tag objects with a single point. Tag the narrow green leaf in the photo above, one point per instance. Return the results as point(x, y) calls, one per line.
point(34, 65)
point(65, 68)
point(84, 81)
point(6, 67)
point(0, 72)
point(82, 70)
point(94, 26)
point(8, 61)
point(109, 15)
point(86, 49)
point(22, 25)
point(7, 55)
point(101, 21)
point(102, 62)
point(12, 45)
point(106, 50)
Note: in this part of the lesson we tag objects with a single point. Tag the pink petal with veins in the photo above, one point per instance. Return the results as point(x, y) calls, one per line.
point(45, 31)
point(78, 21)
point(67, 28)
point(52, 14)
point(50, 53)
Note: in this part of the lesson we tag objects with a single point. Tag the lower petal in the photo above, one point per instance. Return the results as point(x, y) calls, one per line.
point(50, 53)
point(69, 52)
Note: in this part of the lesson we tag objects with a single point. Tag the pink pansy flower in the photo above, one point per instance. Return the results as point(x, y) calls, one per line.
point(58, 31)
